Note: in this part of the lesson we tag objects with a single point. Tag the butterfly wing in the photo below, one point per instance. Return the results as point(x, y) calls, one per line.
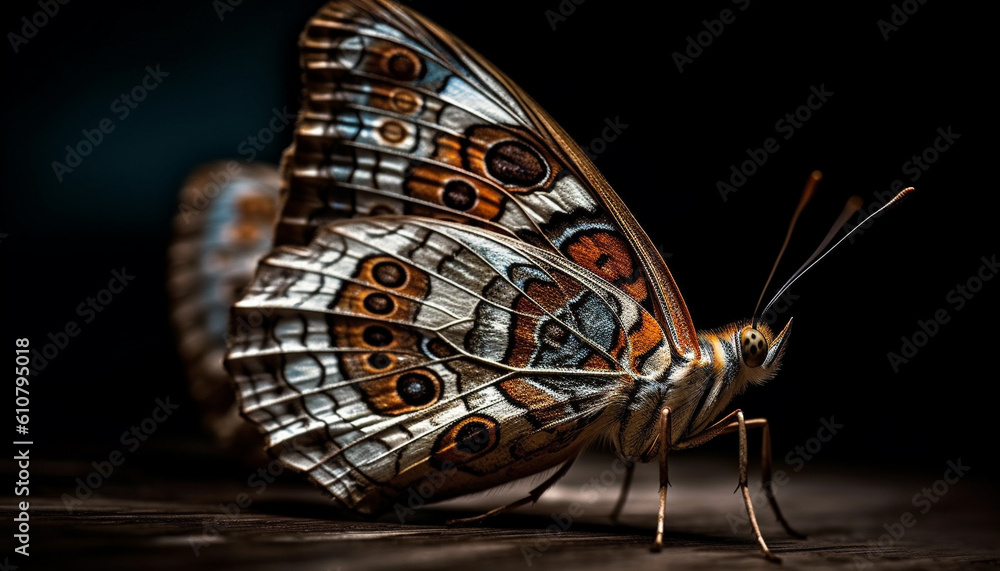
point(401, 117)
point(391, 348)
point(223, 227)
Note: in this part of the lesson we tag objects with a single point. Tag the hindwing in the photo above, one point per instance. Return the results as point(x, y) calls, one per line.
point(391, 347)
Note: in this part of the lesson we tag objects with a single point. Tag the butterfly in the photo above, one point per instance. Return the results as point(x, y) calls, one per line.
point(455, 289)
point(223, 226)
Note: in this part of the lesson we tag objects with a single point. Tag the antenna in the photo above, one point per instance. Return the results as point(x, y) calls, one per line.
point(837, 225)
point(807, 193)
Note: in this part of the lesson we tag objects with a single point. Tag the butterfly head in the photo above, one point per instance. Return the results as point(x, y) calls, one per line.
point(733, 357)
point(759, 350)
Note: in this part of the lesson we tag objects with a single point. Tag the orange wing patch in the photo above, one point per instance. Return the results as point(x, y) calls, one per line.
point(608, 256)
point(544, 409)
point(644, 339)
point(402, 393)
point(468, 439)
point(462, 194)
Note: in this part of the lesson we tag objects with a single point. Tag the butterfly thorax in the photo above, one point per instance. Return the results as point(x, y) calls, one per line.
point(698, 391)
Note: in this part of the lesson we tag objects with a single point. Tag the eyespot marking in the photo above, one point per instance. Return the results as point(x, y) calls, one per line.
point(516, 164)
point(458, 195)
point(379, 303)
point(417, 389)
point(389, 274)
point(377, 336)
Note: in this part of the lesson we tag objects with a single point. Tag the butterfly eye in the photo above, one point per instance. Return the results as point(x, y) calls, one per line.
point(754, 347)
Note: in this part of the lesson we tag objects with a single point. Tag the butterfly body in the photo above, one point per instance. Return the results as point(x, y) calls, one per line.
point(457, 298)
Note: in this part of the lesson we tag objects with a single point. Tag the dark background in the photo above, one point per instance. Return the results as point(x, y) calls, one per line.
point(606, 60)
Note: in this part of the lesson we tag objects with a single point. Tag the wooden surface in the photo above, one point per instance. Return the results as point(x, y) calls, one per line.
point(148, 517)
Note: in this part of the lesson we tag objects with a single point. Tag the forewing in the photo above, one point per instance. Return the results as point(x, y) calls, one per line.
point(400, 117)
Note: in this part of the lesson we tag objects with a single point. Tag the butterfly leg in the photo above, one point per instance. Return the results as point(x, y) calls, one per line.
point(533, 497)
point(726, 426)
point(664, 448)
point(623, 495)
point(744, 461)
point(766, 462)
